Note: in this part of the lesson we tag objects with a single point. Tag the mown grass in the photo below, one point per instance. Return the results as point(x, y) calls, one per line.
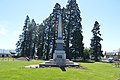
point(13, 70)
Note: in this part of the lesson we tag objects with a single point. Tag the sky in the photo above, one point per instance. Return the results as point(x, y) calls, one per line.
point(107, 12)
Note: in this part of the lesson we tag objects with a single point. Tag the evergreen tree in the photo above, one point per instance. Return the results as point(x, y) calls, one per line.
point(22, 44)
point(27, 41)
point(32, 37)
point(86, 53)
point(40, 40)
point(47, 38)
point(51, 26)
point(73, 26)
point(18, 45)
point(96, 46)
point(77, 44)
point(54, 27)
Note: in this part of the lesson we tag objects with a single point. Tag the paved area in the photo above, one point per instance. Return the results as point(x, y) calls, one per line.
point(32, 66)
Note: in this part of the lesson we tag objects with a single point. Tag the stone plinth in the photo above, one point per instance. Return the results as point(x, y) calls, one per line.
point(54, 63)
point(59, 55)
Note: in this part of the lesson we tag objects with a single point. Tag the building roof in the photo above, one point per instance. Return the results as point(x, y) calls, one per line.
point(6, 51)
point(110, 53)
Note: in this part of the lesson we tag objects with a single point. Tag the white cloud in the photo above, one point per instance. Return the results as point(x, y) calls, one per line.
point(9, 35)
point(16, 33)
point(3, 30)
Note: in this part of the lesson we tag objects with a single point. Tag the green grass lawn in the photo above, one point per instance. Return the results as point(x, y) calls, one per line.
point(13, 70)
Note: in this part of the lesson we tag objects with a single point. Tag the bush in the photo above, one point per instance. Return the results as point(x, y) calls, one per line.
point(90, 61)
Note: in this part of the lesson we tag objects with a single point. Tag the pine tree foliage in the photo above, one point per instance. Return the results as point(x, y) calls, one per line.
point(54, 23)
point(50, 25)
point(26, 46)
point(73, 26)
point(40, 39)
point(32, 38)
point(95, 42)
point(77, 44)
point(47, 25)
point(22, 44)
point(86, 53)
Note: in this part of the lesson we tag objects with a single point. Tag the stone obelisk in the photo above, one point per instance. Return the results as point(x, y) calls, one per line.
point(60, 26)
point(59, 56)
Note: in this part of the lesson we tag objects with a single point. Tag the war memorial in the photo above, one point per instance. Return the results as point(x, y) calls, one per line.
point(59, 57)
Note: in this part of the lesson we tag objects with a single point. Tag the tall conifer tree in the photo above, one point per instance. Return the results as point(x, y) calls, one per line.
point(95, 42)
point(40, 40)
point(73, 26)
point(22, 44)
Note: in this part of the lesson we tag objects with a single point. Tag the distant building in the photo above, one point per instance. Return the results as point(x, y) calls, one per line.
point(5, 53)
point(109, 54)
point(113, 55)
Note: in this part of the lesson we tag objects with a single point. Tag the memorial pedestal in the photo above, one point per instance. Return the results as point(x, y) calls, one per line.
point(54, 63)
point(59, 57)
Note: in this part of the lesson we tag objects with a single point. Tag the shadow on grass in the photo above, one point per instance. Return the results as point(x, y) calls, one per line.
point(63, 68)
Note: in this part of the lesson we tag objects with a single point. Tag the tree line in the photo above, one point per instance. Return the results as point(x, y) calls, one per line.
point(40, 39)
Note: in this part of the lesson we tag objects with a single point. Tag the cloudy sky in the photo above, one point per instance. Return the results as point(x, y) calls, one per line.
point(106, 12)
